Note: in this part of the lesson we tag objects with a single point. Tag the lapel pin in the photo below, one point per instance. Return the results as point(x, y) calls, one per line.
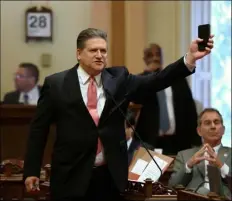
point(225, 154)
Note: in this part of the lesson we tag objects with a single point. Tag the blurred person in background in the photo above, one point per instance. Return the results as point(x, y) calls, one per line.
point(27, 90)
point(169, 117)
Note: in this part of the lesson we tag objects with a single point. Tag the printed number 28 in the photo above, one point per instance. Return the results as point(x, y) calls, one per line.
point(38, 21)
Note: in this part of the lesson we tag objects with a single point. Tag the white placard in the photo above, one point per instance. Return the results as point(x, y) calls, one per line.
point(139, 166)
point(152, 171)
point(38, 24)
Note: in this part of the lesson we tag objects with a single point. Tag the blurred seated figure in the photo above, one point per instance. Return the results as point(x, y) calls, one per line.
point(133, 143)
point(190, 166)
point(27, 91)
point(169, 117)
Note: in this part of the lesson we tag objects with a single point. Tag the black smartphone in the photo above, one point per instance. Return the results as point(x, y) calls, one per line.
point(203, 33)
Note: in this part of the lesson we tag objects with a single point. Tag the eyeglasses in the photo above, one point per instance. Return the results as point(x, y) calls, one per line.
point(18, 76)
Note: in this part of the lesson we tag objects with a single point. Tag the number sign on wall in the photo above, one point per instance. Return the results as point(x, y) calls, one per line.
point(38, 24)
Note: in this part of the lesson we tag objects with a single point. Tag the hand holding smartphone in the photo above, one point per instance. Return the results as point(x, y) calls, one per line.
point(203, 33)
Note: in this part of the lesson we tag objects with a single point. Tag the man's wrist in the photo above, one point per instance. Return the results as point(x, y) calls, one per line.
point(187, 168)
point(189, 165)
point(190, 60)
point(219, 164)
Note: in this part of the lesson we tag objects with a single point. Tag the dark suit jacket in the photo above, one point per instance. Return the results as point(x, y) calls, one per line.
point(76, 140)
point(185, 118)
point(13, 97)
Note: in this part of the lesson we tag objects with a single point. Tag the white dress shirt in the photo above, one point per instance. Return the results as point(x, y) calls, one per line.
point(171, 115)
point(224, 169)
point(33, 96)
point(101, 99)
point(84, 83)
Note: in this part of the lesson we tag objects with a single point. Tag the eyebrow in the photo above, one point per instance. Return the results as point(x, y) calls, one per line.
point(212, 120)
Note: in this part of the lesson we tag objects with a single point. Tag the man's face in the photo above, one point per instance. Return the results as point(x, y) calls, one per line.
point(93, 57)
point(153, 64)
point(23, 80)
point(211, 128)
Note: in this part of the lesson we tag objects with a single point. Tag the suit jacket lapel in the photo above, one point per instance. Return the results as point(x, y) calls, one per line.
point(201, 168)
point(109, 87)
point(223, 154)
point(73, 95)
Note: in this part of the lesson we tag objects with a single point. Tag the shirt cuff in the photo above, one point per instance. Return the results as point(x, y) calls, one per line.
point(224, 170)
point(191, 67)
point(187, 169)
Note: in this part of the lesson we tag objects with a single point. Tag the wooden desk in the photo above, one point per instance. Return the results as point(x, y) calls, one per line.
point(167, 174)
point(187, 195)
point(137, 191)
point(14, 128)
point(12, 188)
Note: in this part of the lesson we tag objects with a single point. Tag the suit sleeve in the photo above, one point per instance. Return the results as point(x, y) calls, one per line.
point(10, 98)
point(38, 133)
point(5, 99)
point(142, 87)
point(179, 175)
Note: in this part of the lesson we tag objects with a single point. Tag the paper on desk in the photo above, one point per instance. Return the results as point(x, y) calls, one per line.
point(139, 166)
point(152, 171)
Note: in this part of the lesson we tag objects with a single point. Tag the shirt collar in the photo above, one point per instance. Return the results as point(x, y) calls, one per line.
point(216, 149)
point(84, 76)
point(31, 92)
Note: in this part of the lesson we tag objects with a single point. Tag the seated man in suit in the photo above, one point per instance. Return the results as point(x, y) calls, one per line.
point(168, 117)
point(27, 91)
point(190, 166)
point(133, 143)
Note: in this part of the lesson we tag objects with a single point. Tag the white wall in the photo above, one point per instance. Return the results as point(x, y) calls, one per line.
point(70, 17)
point(168, 24)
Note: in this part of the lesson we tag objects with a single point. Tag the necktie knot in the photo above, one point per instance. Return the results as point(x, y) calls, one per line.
point(91, 79)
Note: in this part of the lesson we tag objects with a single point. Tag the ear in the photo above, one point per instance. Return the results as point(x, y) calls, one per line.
point(78, 52)
point(223, 129)
point(199, 131)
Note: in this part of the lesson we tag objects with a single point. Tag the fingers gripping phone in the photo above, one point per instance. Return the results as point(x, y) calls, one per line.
point(203, 33)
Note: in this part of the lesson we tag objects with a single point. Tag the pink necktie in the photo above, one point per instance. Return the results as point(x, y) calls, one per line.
point(92, 107)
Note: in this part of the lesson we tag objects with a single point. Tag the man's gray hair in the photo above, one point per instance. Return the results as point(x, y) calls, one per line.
point(208, 110)
point(88, 34)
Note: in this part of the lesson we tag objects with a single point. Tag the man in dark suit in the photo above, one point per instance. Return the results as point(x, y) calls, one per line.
point(169, 117)
point(90, 160)
point(27, 91)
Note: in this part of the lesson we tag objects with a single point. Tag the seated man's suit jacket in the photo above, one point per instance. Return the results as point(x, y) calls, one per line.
point(197, 176)
point(13, 97)
point(75, 146)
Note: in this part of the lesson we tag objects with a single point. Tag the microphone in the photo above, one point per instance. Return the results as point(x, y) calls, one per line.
point(135, 132)
point(117, 106)
point(204, 182)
